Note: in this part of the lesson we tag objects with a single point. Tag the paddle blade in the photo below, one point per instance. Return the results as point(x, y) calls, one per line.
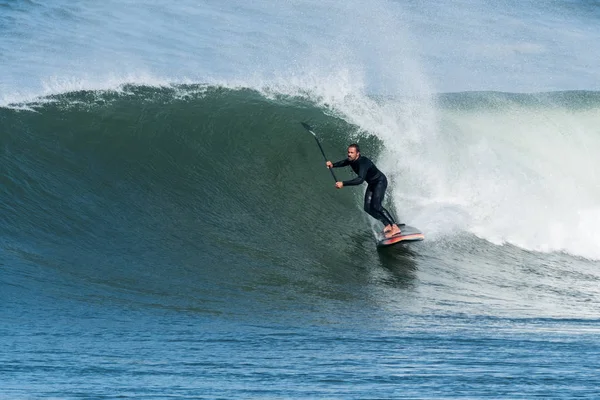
point(307, 127)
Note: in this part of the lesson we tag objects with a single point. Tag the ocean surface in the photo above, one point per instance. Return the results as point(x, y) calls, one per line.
point(169, 230)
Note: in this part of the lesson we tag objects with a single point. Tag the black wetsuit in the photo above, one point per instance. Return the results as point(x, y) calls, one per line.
point(377, 184)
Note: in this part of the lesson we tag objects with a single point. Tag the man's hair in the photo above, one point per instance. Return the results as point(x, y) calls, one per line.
point(355, 147)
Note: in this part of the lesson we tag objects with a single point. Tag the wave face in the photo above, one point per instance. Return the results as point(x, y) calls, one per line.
point(199, 185)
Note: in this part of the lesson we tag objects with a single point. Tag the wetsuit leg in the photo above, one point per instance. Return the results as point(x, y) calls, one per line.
point(376, 207)
point(368, 202)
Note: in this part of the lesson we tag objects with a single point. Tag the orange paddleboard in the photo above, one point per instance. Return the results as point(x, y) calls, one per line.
point(407, 234)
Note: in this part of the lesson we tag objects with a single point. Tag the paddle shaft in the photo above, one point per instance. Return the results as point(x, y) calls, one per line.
point(320, 148)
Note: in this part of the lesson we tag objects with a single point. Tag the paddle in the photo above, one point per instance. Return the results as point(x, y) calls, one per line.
point(308, 128)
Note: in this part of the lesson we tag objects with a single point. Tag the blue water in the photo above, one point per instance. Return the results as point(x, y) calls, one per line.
point(168, 229)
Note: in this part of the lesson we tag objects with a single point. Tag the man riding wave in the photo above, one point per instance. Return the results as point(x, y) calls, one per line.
point(377, 184)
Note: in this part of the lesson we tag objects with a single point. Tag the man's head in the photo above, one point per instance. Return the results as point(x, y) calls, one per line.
point(353, 152)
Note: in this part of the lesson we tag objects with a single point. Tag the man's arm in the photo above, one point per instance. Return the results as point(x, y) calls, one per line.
point(363, 167)
point(353, 182)
point(341, 163)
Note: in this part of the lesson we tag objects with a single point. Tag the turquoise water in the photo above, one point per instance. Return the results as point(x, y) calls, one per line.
point(168, 228)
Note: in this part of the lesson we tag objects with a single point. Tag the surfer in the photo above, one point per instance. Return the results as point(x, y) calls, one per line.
point(377, 184)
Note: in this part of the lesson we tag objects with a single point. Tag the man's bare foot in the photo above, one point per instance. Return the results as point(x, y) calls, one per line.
point(394, 231)
point(387, 229)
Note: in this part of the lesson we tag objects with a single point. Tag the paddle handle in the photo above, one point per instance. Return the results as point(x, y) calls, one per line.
point(308, 128)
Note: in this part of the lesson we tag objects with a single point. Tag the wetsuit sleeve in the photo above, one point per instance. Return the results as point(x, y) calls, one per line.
point(342, 163)
point(363, 167)
point(356, 181)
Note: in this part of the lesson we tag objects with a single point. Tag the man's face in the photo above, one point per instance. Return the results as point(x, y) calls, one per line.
point(352, 154)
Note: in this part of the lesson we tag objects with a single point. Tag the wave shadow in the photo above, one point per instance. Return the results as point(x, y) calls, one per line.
point(400, 263)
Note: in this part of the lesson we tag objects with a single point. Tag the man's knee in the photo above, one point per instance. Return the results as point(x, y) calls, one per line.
point(376, 206)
